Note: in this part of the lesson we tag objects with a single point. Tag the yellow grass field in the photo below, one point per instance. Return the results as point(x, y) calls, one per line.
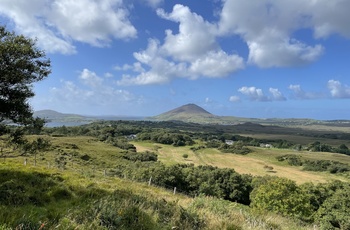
point(252, 163)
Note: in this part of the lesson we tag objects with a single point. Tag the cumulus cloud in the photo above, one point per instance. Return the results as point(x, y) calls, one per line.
point(91, 79)
point(276, 95)
point(253, 93)
point(268, 27)
point(195, 37)
point(338, 90)
point(89, 91)
point(191, 53)
point(329, 17)
point(299, 93)
point(58, 23)
point(256, 94)
point(216, 64)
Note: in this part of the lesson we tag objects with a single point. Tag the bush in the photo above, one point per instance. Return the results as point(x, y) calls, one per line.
point(145, 156)
point(334, 212)
point(237, 148)
point(291, 159)
point(326, 165)
point(281, 196)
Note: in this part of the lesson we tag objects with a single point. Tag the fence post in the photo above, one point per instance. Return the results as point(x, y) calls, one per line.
point(150, 181)
point(25, 162)
point(104, 172)
point(174, 190)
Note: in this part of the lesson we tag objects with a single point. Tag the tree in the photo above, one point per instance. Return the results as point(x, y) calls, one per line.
point(283, 196)
point(21, 65)
point(334, 212)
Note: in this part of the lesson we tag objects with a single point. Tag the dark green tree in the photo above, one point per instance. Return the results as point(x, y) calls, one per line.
point(21, 65)
point(334, 212)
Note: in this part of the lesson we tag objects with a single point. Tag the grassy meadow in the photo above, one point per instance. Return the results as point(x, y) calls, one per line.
point(88, 181)
point(252, 163)
point(80, 195)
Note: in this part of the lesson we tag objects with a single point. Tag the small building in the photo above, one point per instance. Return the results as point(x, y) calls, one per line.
point(229, 142)
point(262, 145)
point(132, 137)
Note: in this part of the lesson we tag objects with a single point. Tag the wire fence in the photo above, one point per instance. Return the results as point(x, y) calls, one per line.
point(97, 172)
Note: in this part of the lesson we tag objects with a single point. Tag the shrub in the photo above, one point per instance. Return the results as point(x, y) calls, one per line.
point(291, 159)
point(326, 165)
point(281, 196)
point(145, 156)
point(334, 212)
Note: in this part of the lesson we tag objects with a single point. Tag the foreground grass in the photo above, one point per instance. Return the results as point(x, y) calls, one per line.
point(78, 195)
point(54, 199)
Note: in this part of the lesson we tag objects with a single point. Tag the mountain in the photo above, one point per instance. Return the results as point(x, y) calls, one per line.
point(52, 115)
point(188, 113)
point(55, 118)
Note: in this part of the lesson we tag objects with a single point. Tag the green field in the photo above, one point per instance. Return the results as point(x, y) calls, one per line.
point(252, 163)
point(67, 197)
point(100, 176)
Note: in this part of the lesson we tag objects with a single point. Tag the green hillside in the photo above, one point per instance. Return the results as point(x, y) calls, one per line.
point(173, 175)
point(84, 194)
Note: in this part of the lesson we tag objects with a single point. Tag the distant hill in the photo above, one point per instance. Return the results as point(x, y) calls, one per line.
point(57, 119)
point(196, 114)
point(188, 113)
point(52, 115)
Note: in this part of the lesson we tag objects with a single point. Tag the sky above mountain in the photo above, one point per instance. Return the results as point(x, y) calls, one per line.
point(258, 58)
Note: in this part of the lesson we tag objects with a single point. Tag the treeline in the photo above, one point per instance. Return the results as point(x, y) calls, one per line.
point(181, 134)
point(166, 137)
point(315, 165)
point(118, 133)
point(209, 180)
point(322, 147)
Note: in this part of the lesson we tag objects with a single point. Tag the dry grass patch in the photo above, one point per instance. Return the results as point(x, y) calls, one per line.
point(253, 163)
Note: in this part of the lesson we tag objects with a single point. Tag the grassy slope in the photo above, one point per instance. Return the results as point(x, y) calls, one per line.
point(253, 163)
point(82, 186)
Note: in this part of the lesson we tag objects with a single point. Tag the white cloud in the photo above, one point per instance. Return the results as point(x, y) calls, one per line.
point(253, 93)
point(160, 70)
point(216, 64)
point(58, 23)
point(256, 94)
point(195, 36)
point(338, 90)
point(91, 91)
point(276, 95)
point(235, 99)
point(192, 53)
point(268, 27)
point(329, 17)
point(299, 93)
point(136, 67)
point(275, 52)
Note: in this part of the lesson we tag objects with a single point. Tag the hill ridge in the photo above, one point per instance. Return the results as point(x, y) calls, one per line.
point(187, 113)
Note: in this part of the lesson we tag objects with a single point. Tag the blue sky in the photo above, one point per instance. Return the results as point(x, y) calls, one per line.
point(258, 58)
